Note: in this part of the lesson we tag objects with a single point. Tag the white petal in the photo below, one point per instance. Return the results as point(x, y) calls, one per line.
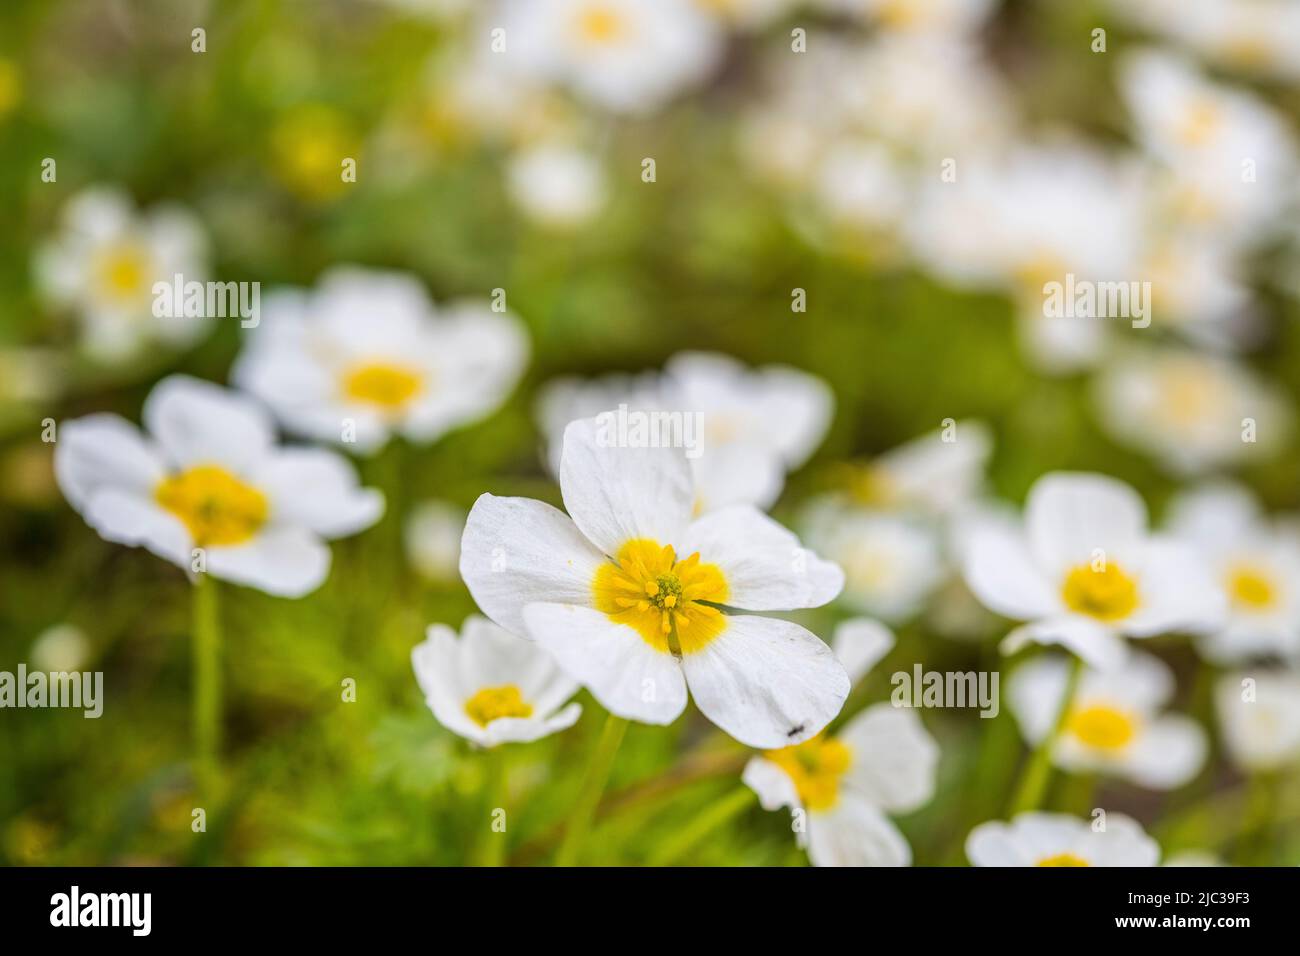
point(436, 662)
point(615, 494)
point(284, 561)
point(1168, 753)
point(893, 759)
point(131, 519)
point(628, 676)
point(104, 451)
point(318, 490)
point(518, 551)
point(736, 474)
point(1178, 592)
point(197, 422)
point(855, 833)
point(1069, 516)
point(507, 730)
point(1002, 574)
point(767, 682)
point(1097, 645)
point(860, 643)
point(773, 785)
point(765, 566)
point(1122, 843)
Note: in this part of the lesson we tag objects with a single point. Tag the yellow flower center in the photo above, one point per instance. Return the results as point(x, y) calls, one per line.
point(386, 384)
point(1200, 123)
point(599, 24)
point(901, 14)
point(1248, 51)
point(1252, 588)
point(493, 703)
point(659, 597)
point(1102, 727)
point(216, 507)
point(872, 485)
point(816, 767)
point(1108, 594)
point(1034, 273)
point(1063, 859)
point(123, 271)
point(309, 146)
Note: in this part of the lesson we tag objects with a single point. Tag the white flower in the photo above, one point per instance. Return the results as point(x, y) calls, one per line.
point(1084, 570)
point(754, 425)
point(746, 14)
point(625, 55)
point(104, 263)
point(1114, 725)
point(365, 356)
point(492, 687)
point(557, 185)
point(839, 788)
point(860, 643)
point(1056, 839)
point(1258, 566)
point(1259, 718)
point(63, 647)
point(940, 472)
point(627, 592)
point(432, 538)
point(1193, 412)
point(1229, 156)
point(892, 562)
point(937, 16)
point(209, 477)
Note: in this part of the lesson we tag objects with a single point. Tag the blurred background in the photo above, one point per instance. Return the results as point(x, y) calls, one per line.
point(918, 168)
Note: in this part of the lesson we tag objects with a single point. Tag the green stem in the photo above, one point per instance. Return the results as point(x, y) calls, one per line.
point(593, 785)
point(492, 848)
point(716, 816)
point(1038, 771)
point(206, 678)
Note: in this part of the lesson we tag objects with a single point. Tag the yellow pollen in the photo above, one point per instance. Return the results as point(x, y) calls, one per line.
point(123, 271)
point(1200, 123)
point(1063, 859)
point(872, 485)
point(600, 24)
point(816, 767)
point(493, 703)
point(659, 597)
point(1108, 594)
point(216, 507)
point(901, 14)
point(386, 384)
point(1102, 727)
point(1252, 588)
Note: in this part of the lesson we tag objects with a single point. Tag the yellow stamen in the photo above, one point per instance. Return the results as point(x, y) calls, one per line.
point(1252, 588)
point(649, 590)
point(1063, 859)
point(386, 384)
point(1102, 727)
point(600, 24)
point(1108, 594)
point(493, 703)
point(216, 507)
point(1200, 123)
point(816, 767)
point(124, 271)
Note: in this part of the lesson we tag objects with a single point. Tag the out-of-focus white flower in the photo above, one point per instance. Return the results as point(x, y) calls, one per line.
point(753, 424)
point(1257, 37)
point(491, 687)
point(927, 16)
point(1194, 412)
point(882, 761)
point(624, 55)
point(1085, 570)
point(365, 356)
point(1229, 156)
point(209, 478)
point(937, 473)
point(860, 643)
point(1197, 291)
point(628, 592)
point(1114, 725)
point(432, 537)
point(1259, 718)
point(1056, 839)
point(892, 562)
point(61, 648)
point(746, 14)
point(557, 185)
point(1258, 566)
point(1193, 858)
point(103, 266)
point(861, 186)
point(998, 227)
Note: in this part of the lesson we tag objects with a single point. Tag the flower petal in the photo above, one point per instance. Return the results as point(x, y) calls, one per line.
point(894, 758)
point(318, 490)
point(765, 566)
point(286, 562)
point(860, 643)
point(1168, 754)
point(773, 785)
point(1095, 644)
point(130, 519)
point(1071, 515)
point(855, 833)
point(629, 677)
point(1001, 573)
point(767, 682)
point(197, 422)
point(615, 494)
point(104, 451)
